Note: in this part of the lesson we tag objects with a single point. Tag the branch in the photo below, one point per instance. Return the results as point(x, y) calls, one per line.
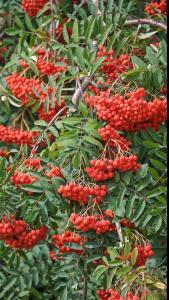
point(85, 290)
point(53, 12)
point(119, 231)
point(78, 92)
point(146, 21)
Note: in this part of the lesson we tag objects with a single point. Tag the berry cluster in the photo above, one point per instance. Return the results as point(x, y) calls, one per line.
point(144, 252)
point(111, 294)
point(114, 140)
point(54, 172)
point(4, 153)
point(68, 237)
point(23, 88)
point(16, 136)
point(103, 169)
point(16, 235)
point(45, 63)
point(22, 178)
point(124, 164)
point(113, 66)
point(131, 113)
point(95, 223)
point(33, 163)
point(108, 294)
point(155, 8)
point(82, 194)
point(32, 8)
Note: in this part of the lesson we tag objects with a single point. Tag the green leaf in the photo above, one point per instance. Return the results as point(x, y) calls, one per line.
point(134, 256)
point(152, 56)
point(65, 34)
point(99, 271)
point(75, 35)
point(143, 183)
point(34, 68)
point(80, 57)
point(139, 62)
point(127, 249)
point(35, 293)
point(130, 205)
point(110, 277)
point(113, 253)
point(139, 210)
point(97, 65)
point(123, 271)
point(9, 285)
point(142, 172)
point(76, 160)
point(28, 23)
point(144, 36)
point(93, 141)
point(89, 29)
point(13, 31)
point(41, 123)
point(159, 165)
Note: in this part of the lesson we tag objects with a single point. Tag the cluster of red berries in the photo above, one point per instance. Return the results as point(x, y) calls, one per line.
point(95, 223)
point(124, 164)
point(16, 136)
point(68, 237)
point(22, 88)
point(54, 172)
point(32, 8)
point(144, 252)
point(113, 66)
point(33, 163)
point(16, 235)
point(82, 194)
point(103, 169)
point(155, 8)
point(111, 294)
point(4, 153)
point(131, 113)
point(22, 178)
point(112, 138)
point(45, 63)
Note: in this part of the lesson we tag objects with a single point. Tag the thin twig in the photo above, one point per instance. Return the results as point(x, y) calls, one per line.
point(85, 289)
point(146, 21)
point(53, 23)
point(119, 231)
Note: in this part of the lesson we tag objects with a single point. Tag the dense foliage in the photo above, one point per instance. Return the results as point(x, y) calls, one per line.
point(83, 144)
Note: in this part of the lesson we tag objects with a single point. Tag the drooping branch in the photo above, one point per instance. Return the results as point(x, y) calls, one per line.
point(145, 21)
